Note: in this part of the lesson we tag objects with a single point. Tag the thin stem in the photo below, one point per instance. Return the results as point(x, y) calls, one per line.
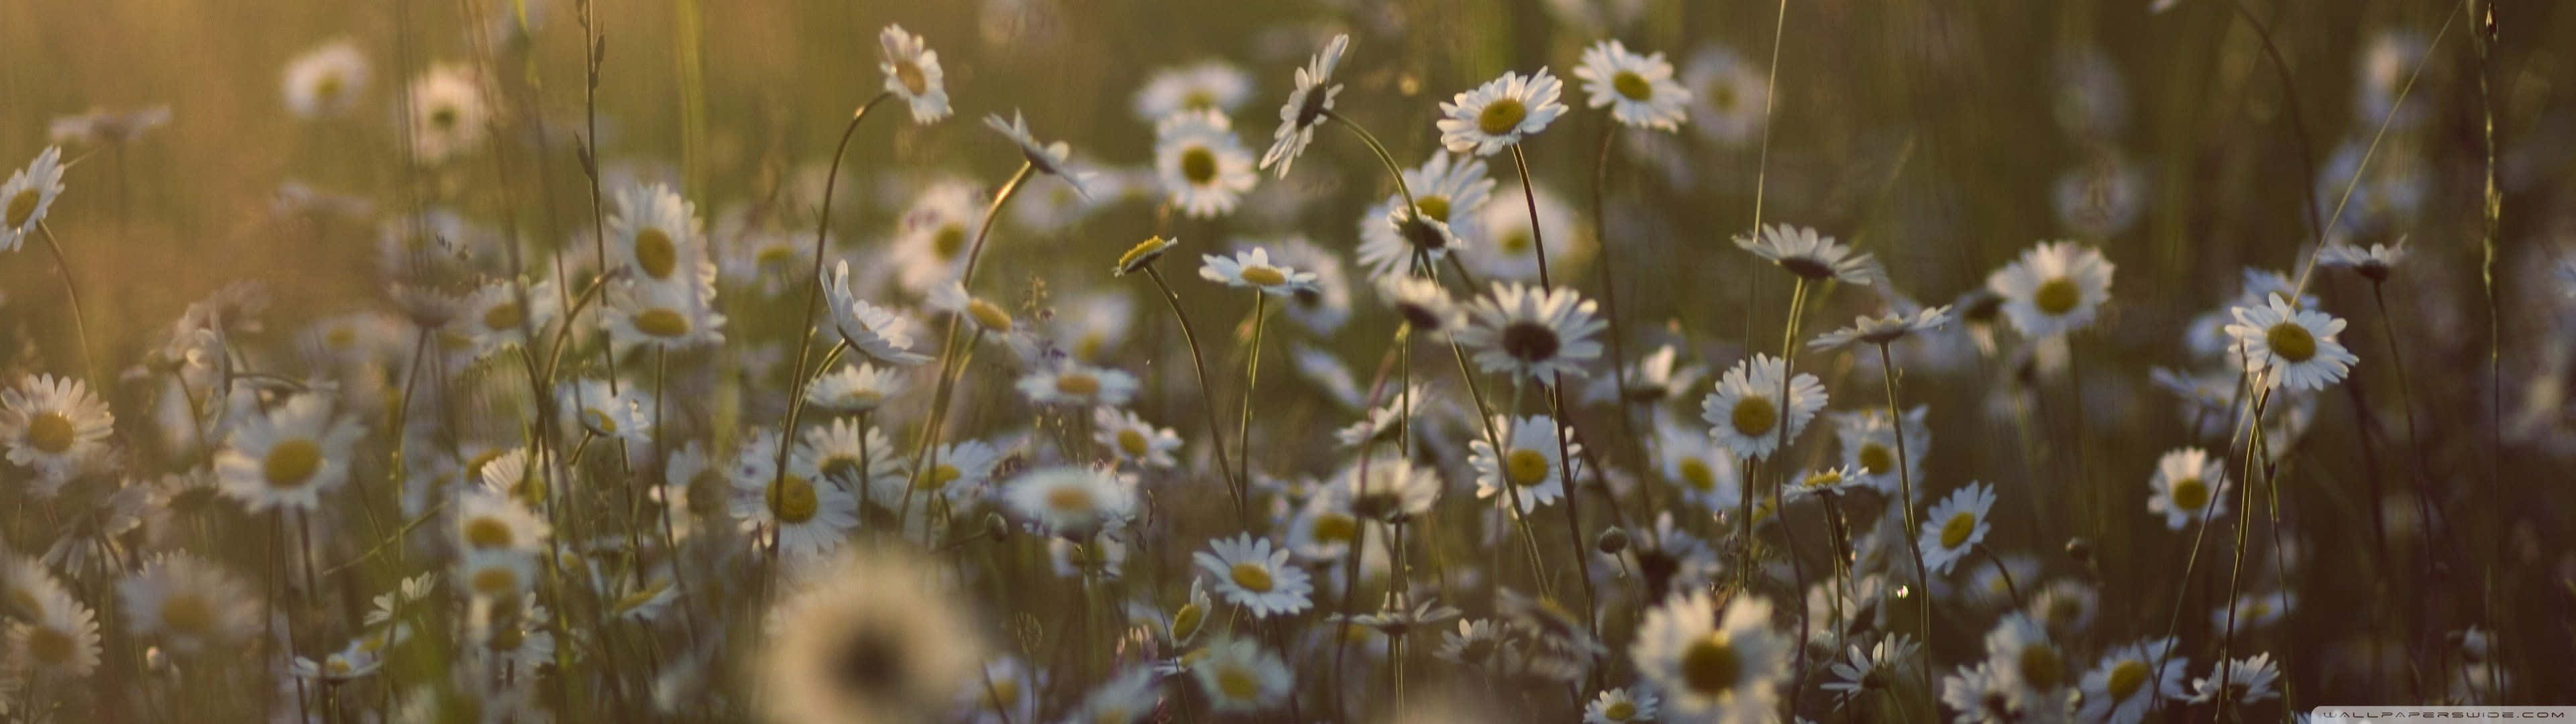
point(948, 343)
point(814, 278)
point(1905, 488)
point(2009, 586)
point(1610, 295)
point(71, 289)
point(1383, 157)
point(1251, 377)
point(1207, 394)
point(1538, 236)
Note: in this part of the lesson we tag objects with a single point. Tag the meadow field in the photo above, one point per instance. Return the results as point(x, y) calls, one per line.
point(1033, 361)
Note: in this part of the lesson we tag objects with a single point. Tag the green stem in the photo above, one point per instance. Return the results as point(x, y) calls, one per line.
point(1207, 394)
point(80, 324)
point(814, 280)
point(1905, 488)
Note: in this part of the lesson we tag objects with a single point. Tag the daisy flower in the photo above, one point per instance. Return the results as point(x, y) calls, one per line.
point(2249, 681)
point(2296, 345)
point(2189, 486)
point(1500, 113)
point(1422, 303)
point(843, 642)
point(981, 315)
point(1729, 96)
point(666, 316)
point(1072, 383)
point(1620, 706)
point(1705, 473)
point(1387, 489)
point(932, 236)
point(1978, 695)
point(1240, 676)
point(1813, 256)
point(1871, 670)
point(28, 194)
point(286, 458)
point(491, 520)
point(912, 73)
point(1448, 190)
point(1711, 668)
point(337, 667)
point(1091, 326)
point(1824, 481)
point(1210, 85)
point(958, 473)
point(656, 235)
point(1132, 439)
point(1869, 445)
point(2055, 288)
point(1956, 525)
point(2026, 665)
point(448, 116)
point(1071, 502)
point(1049, 159)
point(2374, 263)
point(187, 603)
point(1323, 530)
point(62, 639)
point(326, 81)
point(1476, 643)
point(1306, 106)
point(1746, 411)
point(1250, 573)
point(1506, 246)
point(53, 424)
point(1123, 699)
point(2253, 611)
point(1528, 463)
point(1523, 330)
point(1253, 268)
point(853, 389)
point(1651, 380)
point(879, 333)
point(599, 410)
point(1323, 304)
point(1202, 165)
point(1192, 615)
point(1639, 89)
point(497, 320)
point(807, 516)
point(2129, 680)
point(1883, 329)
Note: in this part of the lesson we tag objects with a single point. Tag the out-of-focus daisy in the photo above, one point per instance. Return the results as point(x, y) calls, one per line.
point(1448, 191)
point(1320, 305)
point(187, 603)
point(807, 516)
point(1306, 106)
point(1811, 255)
point(286, 458)
point(1250, 573)
point(1500, 113)
point(932, 236)
point(1091, 326)
point(844, 642)
point(1822, 481)
point(1075, 384)
point(2055, 288)
point(2374, 263)
point(1324, 529)
point(1202, 165)
point(1253, 268)
point(1639, 89)
point(1729, 96)
point(656, 236)
point(1869, 445)
point(1872, 670)
point(1050, 159)
point(53, 424)
point(1209, 85)
point(853, 459)
point(1072, 502)
point(2101, 197)
point(2189, 486)
point(326, 81)
point(667, 316)
point(448, 113)
point(2253, 611)
point(102, 126)
point(879, 333)
point(983, 315)
point(601, 410)
point(912, 73)
point(61, 640)
point(1704, 472)
point(957, 473)
point(1977, 695)
point(1123, 699)
point(853, 389)
point(1387, 489)
point(1620, 706)
point(499, 320)
point(1192, 616)
point(2248, 681)
point(339, 666)
point(1132, 439)
point(2130, 679)
point(1477, 643)
point(1746, 413)
point(1506, 245)
point(1883, 329)
point(1240, 676)
point(2030, 668)
point(2296, 346)
point(1711, 668)
point(28, 194)
point(1650, 381)
point(1529, 462)
point(1956, 525)
point(1523, 330)
point(492, 520)
point(1423, 303)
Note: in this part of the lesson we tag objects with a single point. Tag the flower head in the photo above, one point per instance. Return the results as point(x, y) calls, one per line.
point(1254, 268)
point(1249, 572)
point(1808, 254)
point(2055, 288)
point(1203, 167)
point(1955, 526)
point(1307, 106)
point(1500, 113)
point(1639, 89)
point(1747, 413)
point(1050, 159)
point(1524, 330)
point(1713, 668)
point(28, 194)
point(912, 73)
point(2296, 346)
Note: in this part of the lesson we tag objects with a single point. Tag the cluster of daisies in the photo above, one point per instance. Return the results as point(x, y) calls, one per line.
point(703, 465)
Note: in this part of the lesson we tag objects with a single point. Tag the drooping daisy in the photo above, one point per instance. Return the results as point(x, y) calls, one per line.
point(286, 458)
point(1050, 159)
point(666, 316)
point(1448, 191)
point(1824, 481)
point(1884, 329)
point(28, 194)
point(1711, 668)
point(1639, 89)
point(1074, 384)
point(1529, 462)
point(2028, 666)
point(492, 520)
point(2248, 681)
point(853, 389)
point(1240, 676)
point(2055, 288)
point(1254, 268)
point(1523, 330)
point(1071, 502)
point(656, 236)
point(1747, 413)
point(844, 643)
point(448, 115)
point(2189, 486)
point(326, 81)
point(1203, 166)
point(1810, 255)
point(879, 333)
point(807, 515)
point(1132, 439)
point(1507, 246)
point(2374, 263)
point(1192, 616)
point(1251, 573)
point(1620, 706)
point(912, 73)
point(2296, 346)
point(53, 424)
point(1956, 525)
point(61, 639)
point(1872, 670)
point(1306, 106)
point(187, 603)
point(1500, 113)
point(2130, 679)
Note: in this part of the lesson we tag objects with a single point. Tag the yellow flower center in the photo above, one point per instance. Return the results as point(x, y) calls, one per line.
point(1722, 96)
point(661, 322)
point(1876, 458)
point(51, 433)
point(1133, 443)
point(502, 317)
point(2190, 494)
point(1501, 116)
point(909, 74)
point(1823, 479)
point(793, 500)
point(1433, 207)
point(1185, 623)
point(1237, 682)
point(1697, 474)
point(939, 477)
point(2040, 667)
point(1515, 242)
point(488, 532)
point(1077, 384)
point(50, 646)
point(328, 87)
point(1069, 499)
point(1708, 666)
point(1335, 528)
point(1143, 253)
point(1198, 98)
point(1525, 467)
point(655, 254)
point(1264, 276)
point(291, 463)
point(2126, 678)
point(1754, 416)
point(188, 614)
point(2057, 296)
point(1955, 533)
point(949, 241)
point(443, 118)
point(2291, 342)
point(1198, 165)
point(1619, 711)
point(1253, 577)
point(989, 316)
point(1632, 85)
